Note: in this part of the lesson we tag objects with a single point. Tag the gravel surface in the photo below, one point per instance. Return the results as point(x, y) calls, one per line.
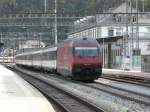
point(108, 102)
point(127, 86)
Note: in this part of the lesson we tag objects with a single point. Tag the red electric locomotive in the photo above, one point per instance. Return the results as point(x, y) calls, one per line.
point(79, 58)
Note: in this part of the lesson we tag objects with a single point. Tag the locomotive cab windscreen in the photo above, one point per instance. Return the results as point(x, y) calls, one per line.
point(86, 47)
point(86, 51)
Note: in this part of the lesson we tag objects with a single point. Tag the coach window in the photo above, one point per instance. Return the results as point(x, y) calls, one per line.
point(50, 55)
point(37, 57)
point(27, 57)
point(22, 57)
point(54, 55)
point(44, 56)
point(30, 57)
point(47, 55)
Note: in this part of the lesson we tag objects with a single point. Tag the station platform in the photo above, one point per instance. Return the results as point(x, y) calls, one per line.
point(123, 73)
point(16, 95)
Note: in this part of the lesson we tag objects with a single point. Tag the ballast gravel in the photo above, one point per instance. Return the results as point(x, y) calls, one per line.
point(108, 102)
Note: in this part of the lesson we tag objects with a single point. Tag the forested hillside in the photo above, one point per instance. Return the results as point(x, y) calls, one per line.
point(76, 7)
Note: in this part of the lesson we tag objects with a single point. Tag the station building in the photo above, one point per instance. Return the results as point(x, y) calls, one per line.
point(123, 37)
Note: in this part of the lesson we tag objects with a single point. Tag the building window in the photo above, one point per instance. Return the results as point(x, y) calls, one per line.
point(118, 31)
point(136, 52)
point(134, 19)
point(119, 19)
point(110, 32)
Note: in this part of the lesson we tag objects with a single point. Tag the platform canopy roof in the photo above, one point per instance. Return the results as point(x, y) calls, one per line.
point(109, 39)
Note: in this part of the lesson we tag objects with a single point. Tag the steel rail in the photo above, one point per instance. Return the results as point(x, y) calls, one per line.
point(136, 82)
point(122, 93)
point(66, 97)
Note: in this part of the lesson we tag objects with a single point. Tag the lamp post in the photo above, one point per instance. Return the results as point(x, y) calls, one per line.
point(56, 40)
point(26, 30)
point(103, 53)
point(143, 6)
point(1, 37)
point(45, 6)
point(39, 39)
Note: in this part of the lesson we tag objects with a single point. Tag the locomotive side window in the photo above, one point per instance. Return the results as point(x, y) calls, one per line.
point(54, 55)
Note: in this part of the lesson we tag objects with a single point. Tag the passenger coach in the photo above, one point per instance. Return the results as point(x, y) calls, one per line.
point(78, 58)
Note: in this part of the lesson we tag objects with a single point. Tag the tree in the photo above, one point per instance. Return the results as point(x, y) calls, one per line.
point(147, 3)
point(7, 2)
point(140, 4)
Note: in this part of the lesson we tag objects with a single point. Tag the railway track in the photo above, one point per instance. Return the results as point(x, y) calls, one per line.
point(122, 93)
point(128, 80)
point(98, 88)
point(66, 99)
